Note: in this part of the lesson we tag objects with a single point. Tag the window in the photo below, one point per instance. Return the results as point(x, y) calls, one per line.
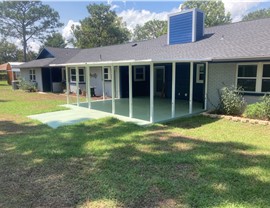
point(247, 75)
point(266, 78)
point(32, 75)
point(63, 74)
point(139, 73)
point(200, 73)
point(254, 77)
point(107, 73)
point(73, 75)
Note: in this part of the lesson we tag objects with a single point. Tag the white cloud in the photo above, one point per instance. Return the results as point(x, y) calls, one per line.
point(34, 46)
point(133, 17)
point(67, 32)
point(239, 8)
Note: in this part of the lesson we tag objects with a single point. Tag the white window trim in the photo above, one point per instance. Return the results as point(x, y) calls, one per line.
point(109, 73)
point(135, 73)
point(32, 73)
point(75, 75)
point(259, 77)
point(198, 80)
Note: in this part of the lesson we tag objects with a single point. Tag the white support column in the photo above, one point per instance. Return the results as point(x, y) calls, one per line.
point(130, 91)
point(173, 88)
point(206, 86)
point(77, 86)
point(152, 92)
point(103, 83)
point(191, 89)
point(67, 85)
point(88, 89)
point(113, 89)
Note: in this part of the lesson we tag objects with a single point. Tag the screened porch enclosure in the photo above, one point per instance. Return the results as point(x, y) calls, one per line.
point(153, 92)
point(141, 108)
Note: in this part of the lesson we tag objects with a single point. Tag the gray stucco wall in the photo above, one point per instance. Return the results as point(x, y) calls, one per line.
point(219, 75)
point(25, 74)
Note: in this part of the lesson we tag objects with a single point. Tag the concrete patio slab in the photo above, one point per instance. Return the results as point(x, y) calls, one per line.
point(77, 114)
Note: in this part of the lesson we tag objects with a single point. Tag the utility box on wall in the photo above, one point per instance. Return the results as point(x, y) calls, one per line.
point(185, 27)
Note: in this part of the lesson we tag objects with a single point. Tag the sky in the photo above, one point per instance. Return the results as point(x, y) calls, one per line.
point(138, 12)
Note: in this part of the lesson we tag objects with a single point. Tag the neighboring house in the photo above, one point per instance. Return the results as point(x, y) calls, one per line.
point(177, 74)
point(12, 69)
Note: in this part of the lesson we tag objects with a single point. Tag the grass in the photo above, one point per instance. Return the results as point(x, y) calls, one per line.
point(191, 162)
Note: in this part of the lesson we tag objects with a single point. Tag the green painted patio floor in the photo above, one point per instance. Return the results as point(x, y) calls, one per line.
point(141, 108)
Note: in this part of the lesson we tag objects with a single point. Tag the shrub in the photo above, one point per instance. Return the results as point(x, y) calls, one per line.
point(260, 110)
point(231, 101)
point(266, 106)
point(254, 111)
point(27, 86)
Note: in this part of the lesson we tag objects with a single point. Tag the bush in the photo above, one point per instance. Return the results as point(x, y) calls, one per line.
point(27, 86)
point(231, 101)
point(260, 110)
point(254, 111)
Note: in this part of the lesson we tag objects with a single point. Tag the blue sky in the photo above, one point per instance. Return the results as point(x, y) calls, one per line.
point(139, 12)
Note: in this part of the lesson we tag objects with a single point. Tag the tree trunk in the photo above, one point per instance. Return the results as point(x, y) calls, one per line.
point(24, 44)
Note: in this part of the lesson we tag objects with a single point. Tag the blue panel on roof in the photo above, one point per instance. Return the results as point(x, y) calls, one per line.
point(199, 26)
point(180, 28)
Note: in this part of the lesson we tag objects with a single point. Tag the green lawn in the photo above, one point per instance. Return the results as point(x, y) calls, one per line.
point(191, 162)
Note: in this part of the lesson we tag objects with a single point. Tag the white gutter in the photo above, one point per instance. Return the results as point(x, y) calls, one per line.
point(134, 62)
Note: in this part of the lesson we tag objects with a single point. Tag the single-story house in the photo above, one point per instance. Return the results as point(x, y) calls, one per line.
point(12, 69)
point(174, 75)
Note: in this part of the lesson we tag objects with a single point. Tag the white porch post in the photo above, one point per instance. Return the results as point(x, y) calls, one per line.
point(67, 85)
point(152, 92)
point(130, 91)
point(77, 86)
point(103, 83)
point(113, 90)
point(206, 86)
point(173, 88)
point(191, 89)
point(88, 89)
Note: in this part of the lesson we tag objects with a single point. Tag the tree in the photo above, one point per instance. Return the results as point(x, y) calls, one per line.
point(150, 30)
point(55, 40)
point(102, 27)
point(259, 14)
point(214, 11)
point(27, 20)
point(9, 52)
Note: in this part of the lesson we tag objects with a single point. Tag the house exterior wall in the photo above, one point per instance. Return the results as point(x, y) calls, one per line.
point(25, 75)
point(221, 75)
point(96, 82)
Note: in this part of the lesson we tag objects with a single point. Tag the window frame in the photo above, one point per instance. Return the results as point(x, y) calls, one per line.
point(198, 73)
point(135, 74)
point(259, 77)
point(74, 75)
point(32, 75)
point(109, 73)
point(264, 78)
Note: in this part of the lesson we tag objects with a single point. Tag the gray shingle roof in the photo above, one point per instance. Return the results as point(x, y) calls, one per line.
point(249, 39)
point(37, 63)
point(62, 55)
point(242, 40)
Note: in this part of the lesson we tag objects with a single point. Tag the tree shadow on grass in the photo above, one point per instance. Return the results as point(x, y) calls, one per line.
point(109, 163)
point(191, 122)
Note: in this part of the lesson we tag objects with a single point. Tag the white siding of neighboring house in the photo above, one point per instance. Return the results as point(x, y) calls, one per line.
point(25, 74)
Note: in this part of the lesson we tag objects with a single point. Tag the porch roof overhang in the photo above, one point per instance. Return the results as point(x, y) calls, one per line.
point(125, 62)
